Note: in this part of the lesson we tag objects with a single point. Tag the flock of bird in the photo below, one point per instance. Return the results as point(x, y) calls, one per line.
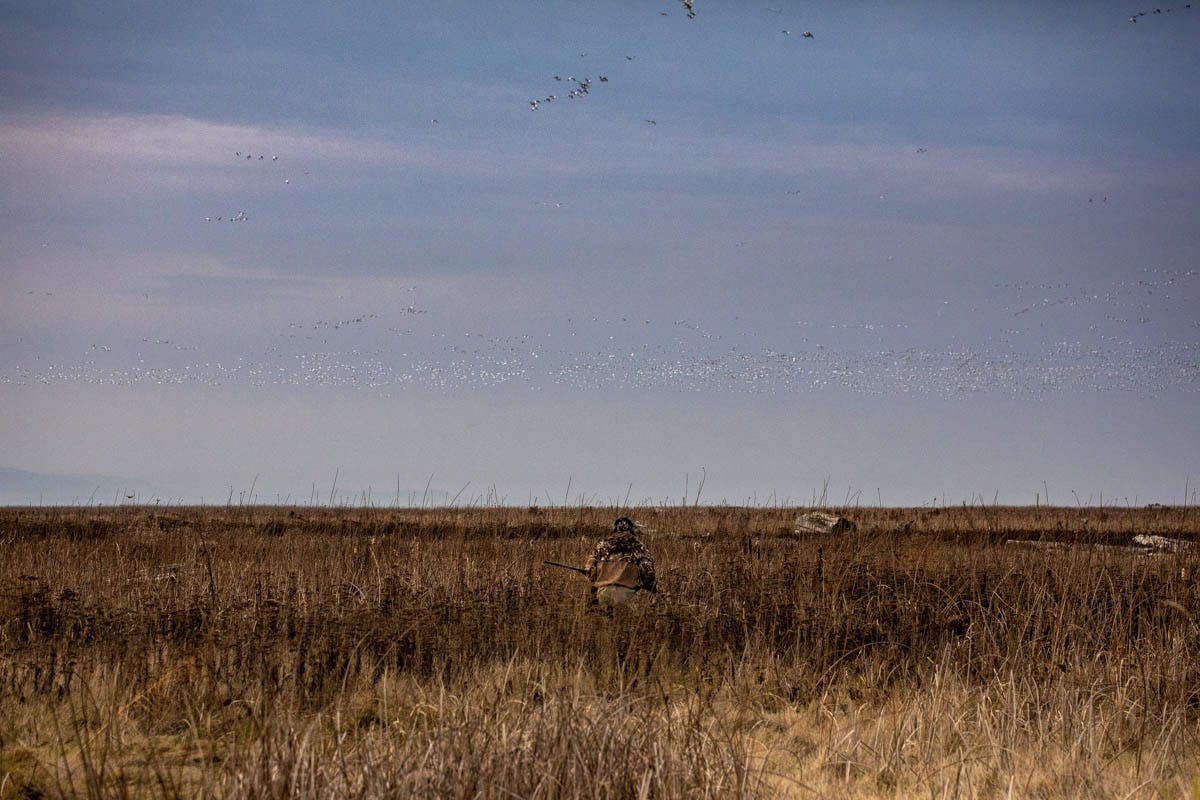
point(914, 371)
point(696, 355)
point(1134, 17)
point(688, 9)
point(583, 86)
point(242, 216)
point(869, 357)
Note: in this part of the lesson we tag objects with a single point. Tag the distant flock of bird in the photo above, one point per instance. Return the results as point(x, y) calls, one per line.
point(1134, 17)
point(692, 363)
point(583, 86)
point(722, 356)
point(242, 216)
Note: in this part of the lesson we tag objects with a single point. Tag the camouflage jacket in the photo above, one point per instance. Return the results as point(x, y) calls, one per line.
point(621, 559)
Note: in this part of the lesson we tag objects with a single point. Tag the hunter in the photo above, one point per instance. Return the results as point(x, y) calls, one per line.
point(620, 565)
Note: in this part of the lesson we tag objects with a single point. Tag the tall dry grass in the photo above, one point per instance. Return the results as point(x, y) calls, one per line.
point(259, 652)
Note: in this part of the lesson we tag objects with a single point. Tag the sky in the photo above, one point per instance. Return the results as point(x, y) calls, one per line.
point(605, 253)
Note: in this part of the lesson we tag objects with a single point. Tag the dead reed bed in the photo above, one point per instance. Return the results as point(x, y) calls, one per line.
point(267, 652)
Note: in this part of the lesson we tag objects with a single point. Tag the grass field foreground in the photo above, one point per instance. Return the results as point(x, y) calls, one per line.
point(305, 652)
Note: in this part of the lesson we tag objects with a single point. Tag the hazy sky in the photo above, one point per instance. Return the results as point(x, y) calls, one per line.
point(936, 249)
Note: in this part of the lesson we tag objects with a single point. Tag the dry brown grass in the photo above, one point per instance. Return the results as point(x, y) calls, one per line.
point(262, 652)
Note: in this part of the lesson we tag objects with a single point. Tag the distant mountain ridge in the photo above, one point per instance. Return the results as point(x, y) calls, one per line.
point(19, 487)
point(22, 487)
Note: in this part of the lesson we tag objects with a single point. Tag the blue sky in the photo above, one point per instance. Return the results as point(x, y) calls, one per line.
point(937, 249)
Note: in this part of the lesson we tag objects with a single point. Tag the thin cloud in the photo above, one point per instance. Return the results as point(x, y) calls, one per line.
point(113, 154)
point(69, 157)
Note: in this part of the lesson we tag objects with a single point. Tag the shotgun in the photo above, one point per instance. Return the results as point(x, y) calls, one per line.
point(580, 570)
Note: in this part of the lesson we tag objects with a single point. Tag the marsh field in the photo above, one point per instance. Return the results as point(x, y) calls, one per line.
point(365, 652)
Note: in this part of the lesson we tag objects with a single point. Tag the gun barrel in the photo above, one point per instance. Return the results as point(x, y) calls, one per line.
point(580, 570)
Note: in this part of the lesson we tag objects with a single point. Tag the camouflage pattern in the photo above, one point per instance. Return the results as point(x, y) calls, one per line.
point(621, 559)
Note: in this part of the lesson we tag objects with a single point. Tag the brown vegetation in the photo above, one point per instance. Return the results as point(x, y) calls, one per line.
point(266, 652)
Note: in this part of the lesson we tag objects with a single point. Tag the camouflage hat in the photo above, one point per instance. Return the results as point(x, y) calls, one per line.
point(624, 525)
